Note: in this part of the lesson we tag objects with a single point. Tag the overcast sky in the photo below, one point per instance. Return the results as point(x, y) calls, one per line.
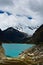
point(20, 11)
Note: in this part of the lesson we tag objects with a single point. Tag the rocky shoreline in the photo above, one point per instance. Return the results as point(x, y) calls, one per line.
point(35, 54)
point(32, 56)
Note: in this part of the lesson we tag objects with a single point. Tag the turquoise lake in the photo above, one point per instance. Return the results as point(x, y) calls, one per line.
point(14, 50)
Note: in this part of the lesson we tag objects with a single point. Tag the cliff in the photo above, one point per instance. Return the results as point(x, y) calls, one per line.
point(37, 37)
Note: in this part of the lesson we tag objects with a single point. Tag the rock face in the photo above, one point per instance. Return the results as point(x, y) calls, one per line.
point(2, 54)
point(37, 37)
point(34, 54)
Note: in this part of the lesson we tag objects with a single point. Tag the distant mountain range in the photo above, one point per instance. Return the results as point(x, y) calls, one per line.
point(12, 35)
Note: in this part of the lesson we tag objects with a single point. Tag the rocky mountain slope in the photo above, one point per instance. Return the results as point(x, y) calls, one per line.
point(37, 36)
point(12, 35)
point(35, 54)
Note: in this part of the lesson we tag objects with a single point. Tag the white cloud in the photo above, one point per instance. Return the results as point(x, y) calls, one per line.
point(25, 8)
point(7, 21)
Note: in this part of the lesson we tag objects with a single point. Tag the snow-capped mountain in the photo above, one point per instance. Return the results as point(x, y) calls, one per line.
point(27, 29)
point(18, 22)
point(21, 27)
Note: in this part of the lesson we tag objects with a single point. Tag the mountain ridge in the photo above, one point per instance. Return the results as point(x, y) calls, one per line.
point(12, 35)
point(37, 36)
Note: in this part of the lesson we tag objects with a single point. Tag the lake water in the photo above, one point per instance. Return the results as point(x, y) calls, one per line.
point(14, 50)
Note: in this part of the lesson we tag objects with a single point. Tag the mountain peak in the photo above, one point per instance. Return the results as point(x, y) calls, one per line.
point(10, 29)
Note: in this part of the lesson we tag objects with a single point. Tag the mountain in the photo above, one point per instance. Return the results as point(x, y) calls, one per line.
point(37, 36)
point(26, 28)
point(22, 27)
point(12, 35)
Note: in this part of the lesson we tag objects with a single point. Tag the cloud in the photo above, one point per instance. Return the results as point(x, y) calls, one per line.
point(36, 6)
point(25, 12)
point(6, 2)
